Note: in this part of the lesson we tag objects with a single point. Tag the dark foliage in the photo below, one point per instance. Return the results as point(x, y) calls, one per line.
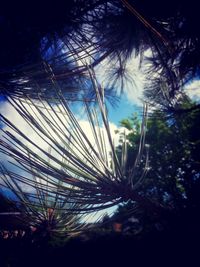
point(34, 33)
point(174, 246)
point(173, 176)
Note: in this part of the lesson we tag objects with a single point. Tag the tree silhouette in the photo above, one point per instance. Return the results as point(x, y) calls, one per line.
point(42, 40)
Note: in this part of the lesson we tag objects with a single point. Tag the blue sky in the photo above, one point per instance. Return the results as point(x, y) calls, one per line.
point(123, 110)
point(129, 102)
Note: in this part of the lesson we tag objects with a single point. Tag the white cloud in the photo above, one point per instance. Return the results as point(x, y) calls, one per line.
point(193, 90)
point(10, 113)
point(136, 68)
point(133, 87)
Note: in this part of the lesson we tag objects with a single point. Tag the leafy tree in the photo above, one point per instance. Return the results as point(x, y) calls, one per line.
point(174, 167)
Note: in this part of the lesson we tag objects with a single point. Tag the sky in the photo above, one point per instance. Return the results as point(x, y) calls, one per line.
point(127, 104)
point(193, 89)
point(130, 102)
point(124, 109)
point(10, 113)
